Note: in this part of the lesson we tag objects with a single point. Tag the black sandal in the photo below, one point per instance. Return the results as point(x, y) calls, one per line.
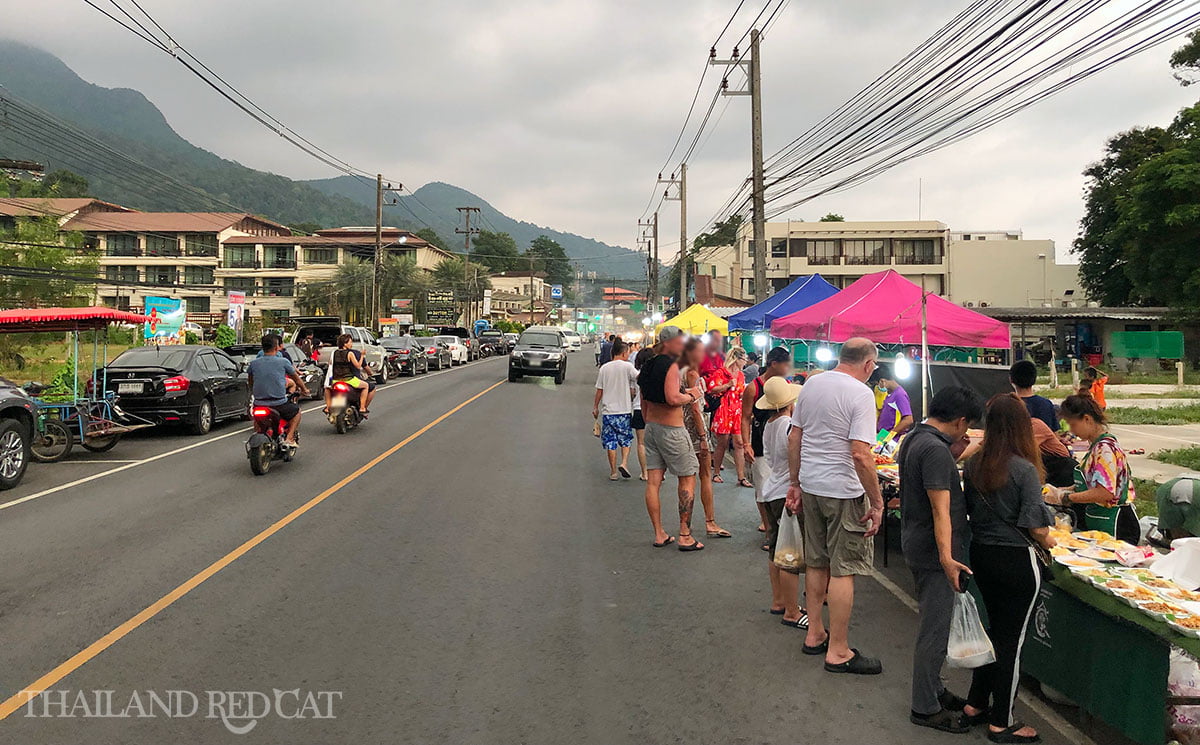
point(944, 721)
point(1010, 734)
point(800, 623)
point(821, 648)
point(695, 545)
point(859, 664)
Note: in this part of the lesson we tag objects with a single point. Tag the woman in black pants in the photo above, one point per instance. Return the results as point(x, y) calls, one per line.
point(1003, 487)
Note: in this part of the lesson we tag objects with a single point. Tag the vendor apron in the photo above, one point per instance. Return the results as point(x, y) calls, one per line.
point(1099, 516)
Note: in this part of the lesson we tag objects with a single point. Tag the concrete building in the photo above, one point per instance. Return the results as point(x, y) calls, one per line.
point(1016, 273)
point(520, 283)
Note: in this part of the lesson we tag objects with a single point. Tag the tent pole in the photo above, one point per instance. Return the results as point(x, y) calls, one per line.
point(924, 359)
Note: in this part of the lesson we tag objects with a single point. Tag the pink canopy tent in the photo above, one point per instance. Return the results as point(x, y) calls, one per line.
point(886, 308)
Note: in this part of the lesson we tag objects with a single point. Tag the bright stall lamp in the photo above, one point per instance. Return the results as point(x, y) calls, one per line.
point(902, 367)
point(704, 338)
point(824, 354)
point(761, 341)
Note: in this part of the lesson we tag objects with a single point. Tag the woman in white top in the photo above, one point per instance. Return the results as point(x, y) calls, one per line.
point(779, 397)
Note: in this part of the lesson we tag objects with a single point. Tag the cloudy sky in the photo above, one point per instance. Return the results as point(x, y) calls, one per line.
point(560, 112)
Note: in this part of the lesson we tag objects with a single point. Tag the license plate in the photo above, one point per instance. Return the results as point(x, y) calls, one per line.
point(339, 401)
point(130, 387)
point(535, 363)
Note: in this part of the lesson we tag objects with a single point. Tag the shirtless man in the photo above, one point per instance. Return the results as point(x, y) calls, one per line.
point(668, 446)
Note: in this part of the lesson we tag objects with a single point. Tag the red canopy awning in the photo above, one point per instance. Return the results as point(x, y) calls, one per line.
point(64, 319)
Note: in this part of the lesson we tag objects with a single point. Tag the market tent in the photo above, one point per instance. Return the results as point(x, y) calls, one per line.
point(886, 308)
point(800, 294)
point(64, 319)
point(696, 320)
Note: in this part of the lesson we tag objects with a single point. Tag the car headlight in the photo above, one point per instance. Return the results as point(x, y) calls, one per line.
point(554, 356)
point(516, 355)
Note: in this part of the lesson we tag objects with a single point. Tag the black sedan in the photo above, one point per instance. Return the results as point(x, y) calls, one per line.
point(406, 355)
point(312, 373)
point(186, 384)
point(437, 354)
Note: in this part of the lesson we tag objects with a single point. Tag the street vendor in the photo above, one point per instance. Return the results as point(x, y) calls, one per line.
point(895, 414)
point(1102, 480)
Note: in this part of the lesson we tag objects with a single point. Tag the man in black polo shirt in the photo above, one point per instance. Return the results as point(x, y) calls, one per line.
point(935, 537)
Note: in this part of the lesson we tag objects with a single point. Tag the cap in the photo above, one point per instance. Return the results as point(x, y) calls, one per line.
point(779, 354)
point(667, 333)
point(777, 393)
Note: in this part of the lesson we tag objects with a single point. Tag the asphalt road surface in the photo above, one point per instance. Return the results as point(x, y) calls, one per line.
point(457, 570)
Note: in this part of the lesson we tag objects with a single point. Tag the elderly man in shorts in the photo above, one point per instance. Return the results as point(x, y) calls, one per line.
point(668, 445)
point(833, 479)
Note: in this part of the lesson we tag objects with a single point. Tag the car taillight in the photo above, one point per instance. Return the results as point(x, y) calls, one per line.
point(176, 383)
point(431, 350)
point(341, 387)
point(261, 412)
point(403, 351)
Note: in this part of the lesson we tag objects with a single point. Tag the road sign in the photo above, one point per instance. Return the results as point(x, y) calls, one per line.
point(401, 304)
point(440, 309)
point(556, 292)
point(404, 318)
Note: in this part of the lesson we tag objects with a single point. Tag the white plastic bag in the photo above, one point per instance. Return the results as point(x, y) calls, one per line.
point(789, 544)
point(969, 645)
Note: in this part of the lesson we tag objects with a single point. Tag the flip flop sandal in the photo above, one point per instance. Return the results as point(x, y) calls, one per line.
point(614, 477)
point(695, 546)
point(1010, 735)
point(745, 483)
point(799, 623)
point(765, 547)
point(859, 664)
point(944, 721)
point(779, 612)
point(821, 648)
point(761, 529)
point(718, 533)
point(624, 472)
point(668, 542)
point(718, 480)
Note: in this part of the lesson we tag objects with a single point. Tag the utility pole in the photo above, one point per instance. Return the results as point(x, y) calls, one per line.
point(655, 294)
point(753, 70)
point(649, 237)
point(377, 275)
point(467, 231)
point(530, 290)
point(681, 197)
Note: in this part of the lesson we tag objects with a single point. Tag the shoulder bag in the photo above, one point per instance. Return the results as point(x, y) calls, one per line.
point(1045, 560)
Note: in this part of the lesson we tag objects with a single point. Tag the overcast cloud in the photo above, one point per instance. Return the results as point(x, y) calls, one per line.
point(561, 112)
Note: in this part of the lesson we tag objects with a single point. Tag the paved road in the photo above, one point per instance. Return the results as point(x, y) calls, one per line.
point(483, 582)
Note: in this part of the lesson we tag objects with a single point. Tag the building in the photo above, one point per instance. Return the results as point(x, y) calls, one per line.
point(520, 283)
point(977, 269)
point(62, 209)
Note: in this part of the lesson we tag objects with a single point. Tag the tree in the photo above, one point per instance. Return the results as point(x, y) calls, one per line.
point(46, 267)
point(430, 235)
point(60, 183)
point(723, 233)
point(1186, 60)
point(550, 257)
point(496, 251)
point(833, 217)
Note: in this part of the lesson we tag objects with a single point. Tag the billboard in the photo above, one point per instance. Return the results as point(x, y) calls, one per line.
point(166, 320)
point(440, 309)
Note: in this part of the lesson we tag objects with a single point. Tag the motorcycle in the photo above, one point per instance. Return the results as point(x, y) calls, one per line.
point(344, 412)
point(268, 443)
point(486, 350)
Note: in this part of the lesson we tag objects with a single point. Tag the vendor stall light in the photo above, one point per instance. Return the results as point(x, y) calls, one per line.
point(657, 317)
point(824, 354)
point(761, 340)
point(704, 338)
point(645, 321)
point(902, 368)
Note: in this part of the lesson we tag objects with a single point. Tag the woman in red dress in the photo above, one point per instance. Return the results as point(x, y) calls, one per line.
point(727, 420)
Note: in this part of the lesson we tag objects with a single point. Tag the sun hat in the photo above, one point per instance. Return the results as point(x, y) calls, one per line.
point(777, 393)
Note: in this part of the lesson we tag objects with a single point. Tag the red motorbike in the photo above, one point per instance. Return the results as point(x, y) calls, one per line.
point(344, 413)
point(268, 443)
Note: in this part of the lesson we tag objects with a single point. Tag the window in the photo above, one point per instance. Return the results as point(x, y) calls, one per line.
point(320, 256)
point(239, 257)
point(226, 364)
point(796, 248)
point(162, 275)
point(240, 284)
point(279, 287)
point(122, 244)
point(779, 248)
point(279, 257)
point(859, 252)
point(162, 245)
point(966, 236)
point(208, 363)
point(922, 251)
point(824, 252)
point(198, 305)
point(197, 275)
point(122, 273)
point(200, 244)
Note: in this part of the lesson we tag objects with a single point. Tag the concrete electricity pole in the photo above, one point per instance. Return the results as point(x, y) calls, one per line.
point(753, 69)
point(681, 197)
point(467, 231)
point(649, 238)
point(376, 310)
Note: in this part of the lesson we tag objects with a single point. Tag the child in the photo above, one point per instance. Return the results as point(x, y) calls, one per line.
point(779, 397)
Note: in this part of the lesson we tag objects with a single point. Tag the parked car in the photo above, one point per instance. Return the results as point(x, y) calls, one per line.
point(574, 341)
point(406, 355)
point(187, 384)
point(540, 350)
point(499, 344)
point(459, 353)
point(16, 432)
point(468, 339)
point(312, 373)
point(437, 354)
point(326, 330)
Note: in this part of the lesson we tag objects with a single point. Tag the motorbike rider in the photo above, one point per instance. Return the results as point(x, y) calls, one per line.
point(347, 365)
point(268, 377)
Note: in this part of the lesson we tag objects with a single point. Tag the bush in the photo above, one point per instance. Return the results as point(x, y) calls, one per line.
point(226, 336)
point(191, 337)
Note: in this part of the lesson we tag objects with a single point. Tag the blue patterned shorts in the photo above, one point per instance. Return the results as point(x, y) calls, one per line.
point(616, 431)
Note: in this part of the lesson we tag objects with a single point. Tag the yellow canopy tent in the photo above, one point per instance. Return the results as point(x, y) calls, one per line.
point(697, 319)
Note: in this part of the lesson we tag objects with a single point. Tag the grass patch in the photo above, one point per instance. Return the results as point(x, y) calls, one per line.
point(1176, 393)
point(1186, 457)
point(1183, 414)
point(1190, 377)
point(1145, 504)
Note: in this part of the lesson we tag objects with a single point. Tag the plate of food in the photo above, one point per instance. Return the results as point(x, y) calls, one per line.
point(1181, 595)
point(1073, 561)
point(1099, 554)
point(1161, 608)
point(1113, 545)
point(1186, 625)
point(1060, 551)
point(1101, 574)
point(1073, 543)
point(1137, 595)
point(1158, 584)
point(1093, 535)
point(1133, 573)
point(1118, 585)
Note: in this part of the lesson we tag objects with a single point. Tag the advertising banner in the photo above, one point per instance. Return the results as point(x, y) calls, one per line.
point(166, 320)
point(440, 309)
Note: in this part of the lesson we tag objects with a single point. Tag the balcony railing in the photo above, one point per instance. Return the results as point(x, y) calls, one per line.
point(280, 264)
point(239, 262)
point(824, 260)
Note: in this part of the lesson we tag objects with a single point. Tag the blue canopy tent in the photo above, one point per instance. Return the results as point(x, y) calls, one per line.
point(801, 293)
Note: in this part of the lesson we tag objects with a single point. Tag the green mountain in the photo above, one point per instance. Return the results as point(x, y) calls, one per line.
point(435, 205)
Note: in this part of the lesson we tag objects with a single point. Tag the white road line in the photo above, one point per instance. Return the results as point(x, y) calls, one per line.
point(135, 463)
point(1052, 717)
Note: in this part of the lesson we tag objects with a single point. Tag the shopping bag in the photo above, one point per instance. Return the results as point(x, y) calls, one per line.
point(596, 428)
point(789, 544)
point(969, 645)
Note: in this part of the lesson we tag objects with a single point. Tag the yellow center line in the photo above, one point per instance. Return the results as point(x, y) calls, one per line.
point(22, 697)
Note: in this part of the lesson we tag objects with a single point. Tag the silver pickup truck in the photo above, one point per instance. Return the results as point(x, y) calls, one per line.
point(326, 329)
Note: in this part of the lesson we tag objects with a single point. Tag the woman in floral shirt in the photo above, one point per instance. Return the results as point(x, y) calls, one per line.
point(727, 419)
point(1102, 481)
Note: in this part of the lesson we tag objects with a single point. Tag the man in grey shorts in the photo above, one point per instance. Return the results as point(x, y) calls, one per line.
point(668, 446)
point(834, 480)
